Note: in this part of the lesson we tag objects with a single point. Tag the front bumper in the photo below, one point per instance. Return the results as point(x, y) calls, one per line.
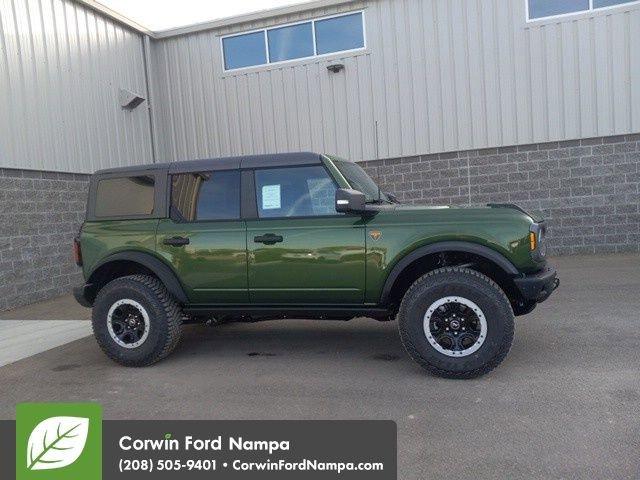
point(538, 286)
point(81, 295)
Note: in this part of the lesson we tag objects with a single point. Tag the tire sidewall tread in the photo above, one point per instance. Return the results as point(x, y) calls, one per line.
point(164, 314)
point(474, 286)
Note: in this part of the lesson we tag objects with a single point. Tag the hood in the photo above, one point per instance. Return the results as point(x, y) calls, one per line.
point(485, 210)
point(535, 216)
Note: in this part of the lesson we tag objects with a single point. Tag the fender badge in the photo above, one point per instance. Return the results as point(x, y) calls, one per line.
point(375, 234)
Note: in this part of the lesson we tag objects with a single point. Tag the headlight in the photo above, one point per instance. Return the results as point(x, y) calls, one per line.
point(537, 241)
point(542, 242)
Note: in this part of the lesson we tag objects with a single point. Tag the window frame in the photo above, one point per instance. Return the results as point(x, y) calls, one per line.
point(173, 218)
point(313, 38)
point(590, 11)
point(254, 193)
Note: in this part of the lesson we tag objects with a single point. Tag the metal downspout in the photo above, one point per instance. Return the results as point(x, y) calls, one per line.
point(146, 58)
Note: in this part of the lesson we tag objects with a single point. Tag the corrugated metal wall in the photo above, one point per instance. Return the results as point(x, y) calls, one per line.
point(61, 67)
point(438, 75)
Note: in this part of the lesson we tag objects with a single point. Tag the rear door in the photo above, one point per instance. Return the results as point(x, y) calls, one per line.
point(205, 239)
point(301, 251)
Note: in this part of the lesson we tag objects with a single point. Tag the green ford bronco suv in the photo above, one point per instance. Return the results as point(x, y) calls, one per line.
point(302, 235)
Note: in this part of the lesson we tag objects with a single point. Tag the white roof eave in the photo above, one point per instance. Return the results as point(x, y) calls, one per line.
point(214, 24)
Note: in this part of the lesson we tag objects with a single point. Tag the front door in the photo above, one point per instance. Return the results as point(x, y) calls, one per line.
point(205, 239)
point(301, 251)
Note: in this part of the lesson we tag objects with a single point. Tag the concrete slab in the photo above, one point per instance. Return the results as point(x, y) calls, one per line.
point(23, 338)
point(563, 405)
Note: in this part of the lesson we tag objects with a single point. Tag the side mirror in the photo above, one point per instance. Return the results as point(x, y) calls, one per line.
point(391, 197)
point(350, 201)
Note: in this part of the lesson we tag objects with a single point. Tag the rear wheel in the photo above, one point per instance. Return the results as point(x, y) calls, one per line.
point(136, 321)
point(456, 323)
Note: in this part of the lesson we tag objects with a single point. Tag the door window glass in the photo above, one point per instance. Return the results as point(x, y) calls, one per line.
point(206, 196)
point(295, 192)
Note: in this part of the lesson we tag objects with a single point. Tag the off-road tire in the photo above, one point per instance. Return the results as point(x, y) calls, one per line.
point(164, 314)
point(470, 284)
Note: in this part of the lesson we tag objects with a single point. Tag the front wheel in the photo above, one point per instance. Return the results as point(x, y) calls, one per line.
point(136, 321)
point(456, 323)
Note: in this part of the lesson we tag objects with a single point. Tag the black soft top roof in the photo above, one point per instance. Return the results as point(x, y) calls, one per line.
point(225, 163)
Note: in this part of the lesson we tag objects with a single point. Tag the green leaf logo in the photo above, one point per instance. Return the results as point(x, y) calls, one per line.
point(56, 442)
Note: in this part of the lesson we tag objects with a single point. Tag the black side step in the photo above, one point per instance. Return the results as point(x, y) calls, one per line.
point(281, 311)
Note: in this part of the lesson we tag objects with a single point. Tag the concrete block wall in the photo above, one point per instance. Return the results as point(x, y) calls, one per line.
point(589, 190)
point(40, 213)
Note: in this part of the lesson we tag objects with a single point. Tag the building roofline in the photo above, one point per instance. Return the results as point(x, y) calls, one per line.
point(249, 17)
point(98, 7)
point(213, 24)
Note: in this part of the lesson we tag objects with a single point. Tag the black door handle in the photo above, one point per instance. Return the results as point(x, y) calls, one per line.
point(268, 239)
point(176, 241)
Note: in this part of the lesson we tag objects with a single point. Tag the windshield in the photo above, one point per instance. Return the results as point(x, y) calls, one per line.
point(359, 180)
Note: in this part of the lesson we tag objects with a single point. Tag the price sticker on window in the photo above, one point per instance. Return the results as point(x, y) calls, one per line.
point(271, 197)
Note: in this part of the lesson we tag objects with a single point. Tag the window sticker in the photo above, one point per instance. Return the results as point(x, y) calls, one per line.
point(270, 197)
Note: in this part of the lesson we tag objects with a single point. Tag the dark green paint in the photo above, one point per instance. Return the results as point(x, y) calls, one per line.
point(406, 228)
point(213, 267)
point(320, 260)
point(101, 239)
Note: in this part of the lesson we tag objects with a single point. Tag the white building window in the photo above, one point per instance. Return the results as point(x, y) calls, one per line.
point(338, 34)
point(244, 50)
point(553, 8)
point(312, 38)
point(287, 43)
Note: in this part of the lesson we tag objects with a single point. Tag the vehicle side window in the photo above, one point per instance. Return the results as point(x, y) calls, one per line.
point(295, 192)
point(126, 196)
point(206, 196)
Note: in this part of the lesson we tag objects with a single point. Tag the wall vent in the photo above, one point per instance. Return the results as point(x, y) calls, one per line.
point(129, 100)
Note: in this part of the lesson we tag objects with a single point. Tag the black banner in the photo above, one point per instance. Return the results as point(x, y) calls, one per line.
point(238, 450)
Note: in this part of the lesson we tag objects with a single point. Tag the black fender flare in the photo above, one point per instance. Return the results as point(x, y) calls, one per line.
point(166, 275)
point(452, 246)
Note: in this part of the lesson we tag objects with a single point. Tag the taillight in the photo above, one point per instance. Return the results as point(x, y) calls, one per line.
point(77, 252)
